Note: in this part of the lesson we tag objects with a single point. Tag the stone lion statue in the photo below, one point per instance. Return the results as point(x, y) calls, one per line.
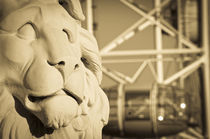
point(50, 72)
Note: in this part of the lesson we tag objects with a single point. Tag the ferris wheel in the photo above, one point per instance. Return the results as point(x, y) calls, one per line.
point(177, 104)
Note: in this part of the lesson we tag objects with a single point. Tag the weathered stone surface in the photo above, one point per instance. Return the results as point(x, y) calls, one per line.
point(50, 72)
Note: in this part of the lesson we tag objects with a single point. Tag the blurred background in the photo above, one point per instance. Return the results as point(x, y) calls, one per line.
point(155, 56)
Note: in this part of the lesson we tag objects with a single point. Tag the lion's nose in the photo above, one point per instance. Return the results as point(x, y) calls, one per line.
point(62, 64)
point(66, 66)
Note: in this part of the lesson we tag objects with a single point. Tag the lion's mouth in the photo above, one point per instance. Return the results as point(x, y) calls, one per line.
point(37, 99)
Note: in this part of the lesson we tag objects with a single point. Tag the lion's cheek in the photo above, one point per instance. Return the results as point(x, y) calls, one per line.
point(75, 84)
point(43, 78)
point(58, 111)
point(16, 50)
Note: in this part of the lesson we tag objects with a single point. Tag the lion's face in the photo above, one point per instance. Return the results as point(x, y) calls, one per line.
point(43, 65)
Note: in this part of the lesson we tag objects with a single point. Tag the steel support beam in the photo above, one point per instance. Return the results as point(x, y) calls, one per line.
point(153, 52)
point(205, 45)
point(89, 15)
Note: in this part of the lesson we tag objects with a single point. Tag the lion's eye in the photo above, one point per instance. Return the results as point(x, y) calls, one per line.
point(63, 3)
point(26, 32)
point(69, 35)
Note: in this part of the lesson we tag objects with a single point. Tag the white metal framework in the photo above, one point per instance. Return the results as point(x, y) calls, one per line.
point(153, 18)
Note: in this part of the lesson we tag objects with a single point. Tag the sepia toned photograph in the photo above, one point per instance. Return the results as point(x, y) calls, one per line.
point(104, 69)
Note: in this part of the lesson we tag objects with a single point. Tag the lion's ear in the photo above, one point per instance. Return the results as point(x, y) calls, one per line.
point(90, 53)
point(73, 7)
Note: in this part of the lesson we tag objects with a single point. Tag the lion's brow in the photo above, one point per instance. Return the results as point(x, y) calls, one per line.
point(15, 20)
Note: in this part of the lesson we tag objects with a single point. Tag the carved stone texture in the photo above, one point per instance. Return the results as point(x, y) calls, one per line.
point(50, 72)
